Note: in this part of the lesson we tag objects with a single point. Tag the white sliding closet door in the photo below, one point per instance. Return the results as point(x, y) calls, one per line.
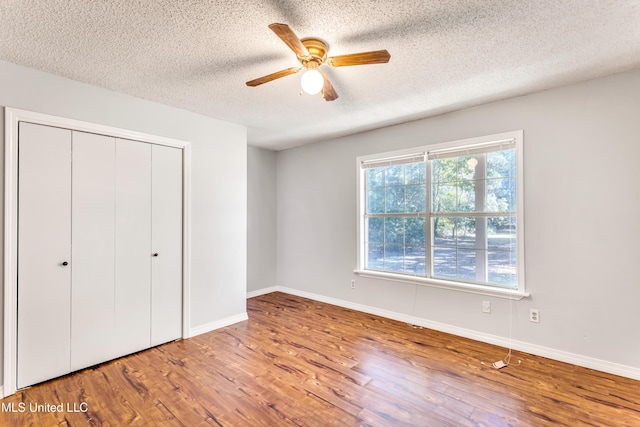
point(93, 246)
point(133, 246)
point(44, 236)
point(166, 271)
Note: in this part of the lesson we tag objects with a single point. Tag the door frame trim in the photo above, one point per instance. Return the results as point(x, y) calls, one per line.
point(13, 117)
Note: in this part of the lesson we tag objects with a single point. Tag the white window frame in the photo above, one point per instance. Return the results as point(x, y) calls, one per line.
point(477, 144)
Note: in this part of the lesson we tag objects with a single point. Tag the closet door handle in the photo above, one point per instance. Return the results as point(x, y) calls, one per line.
point(65, 263)
point(155, 254)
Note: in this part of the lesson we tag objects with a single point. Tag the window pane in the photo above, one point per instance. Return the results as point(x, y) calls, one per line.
point(466, 232)
point(501, 163)
point(397, 189)
point(455, 241)
point(394, 175)
point(501, 195)
point(394, 230)
point(415, 231)
point(375, 256)
point(375, 230)
point(466, 168)
point(416, 198)
point(403, 249)
point(415, 173)
point(443, 198)
point(375, 200)
point(467, 265)
point(414, 260)
point(395, 199)
point(393, 257)
point(444, 263)
point(444, 231)
point(444, 170)
point(466, 196)
point(501, 233)
point(502, 268)
point(375, 177)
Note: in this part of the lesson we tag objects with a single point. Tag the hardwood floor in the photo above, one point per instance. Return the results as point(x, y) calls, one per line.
point(298, 362)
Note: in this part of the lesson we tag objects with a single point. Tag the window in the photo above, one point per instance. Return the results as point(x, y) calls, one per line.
point(447, 214)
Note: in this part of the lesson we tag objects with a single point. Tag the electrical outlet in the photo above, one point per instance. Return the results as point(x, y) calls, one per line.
point(486, 306)
point(353, 283)
point(534, 315)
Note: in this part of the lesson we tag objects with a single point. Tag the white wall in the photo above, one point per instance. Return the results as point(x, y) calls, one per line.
point(261, 219)
point(219, 176)
point(582, 216)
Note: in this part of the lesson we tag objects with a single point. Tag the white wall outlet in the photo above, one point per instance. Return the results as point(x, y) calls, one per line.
point(486, 306)
point(534, 315)
point(353, 283)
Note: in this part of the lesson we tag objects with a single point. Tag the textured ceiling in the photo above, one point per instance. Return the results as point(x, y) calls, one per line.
point(445, 55)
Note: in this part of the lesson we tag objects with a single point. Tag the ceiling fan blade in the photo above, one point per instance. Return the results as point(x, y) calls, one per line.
point(287, 35)
point(362, 58)
point(273, 76)
point(328, 92)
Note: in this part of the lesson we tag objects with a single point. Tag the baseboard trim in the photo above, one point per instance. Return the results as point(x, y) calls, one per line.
point(262, 291)
point(208, 327)
point(538, 350)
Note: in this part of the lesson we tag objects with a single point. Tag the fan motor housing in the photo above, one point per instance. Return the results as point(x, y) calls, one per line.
point(317, 52)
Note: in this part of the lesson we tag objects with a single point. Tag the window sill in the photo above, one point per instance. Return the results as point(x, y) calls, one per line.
point(444, 284)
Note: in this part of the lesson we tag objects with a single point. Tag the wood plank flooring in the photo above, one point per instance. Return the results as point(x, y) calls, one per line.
point(298, 362)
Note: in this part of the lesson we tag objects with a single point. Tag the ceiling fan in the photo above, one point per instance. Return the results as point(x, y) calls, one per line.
point(312, 53)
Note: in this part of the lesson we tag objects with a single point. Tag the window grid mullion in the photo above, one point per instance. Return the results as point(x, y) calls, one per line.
point(481, 245)
point(471, 214)
point(384, 223)
point(428, 244)
point(364, 255)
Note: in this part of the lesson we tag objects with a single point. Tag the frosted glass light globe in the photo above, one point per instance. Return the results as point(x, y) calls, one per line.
point(312, 81)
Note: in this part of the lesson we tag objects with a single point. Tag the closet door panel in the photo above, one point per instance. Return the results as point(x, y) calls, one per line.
point(44, 236)
point(133, 247)
point(166, 272)
point(93, 246)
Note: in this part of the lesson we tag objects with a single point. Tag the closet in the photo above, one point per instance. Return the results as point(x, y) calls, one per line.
point(99, 249)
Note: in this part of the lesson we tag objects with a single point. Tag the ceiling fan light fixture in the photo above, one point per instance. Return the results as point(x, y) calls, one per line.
point(312, 53)
point(312, 81)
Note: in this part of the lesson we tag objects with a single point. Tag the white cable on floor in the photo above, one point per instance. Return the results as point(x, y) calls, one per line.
point(503, 363)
